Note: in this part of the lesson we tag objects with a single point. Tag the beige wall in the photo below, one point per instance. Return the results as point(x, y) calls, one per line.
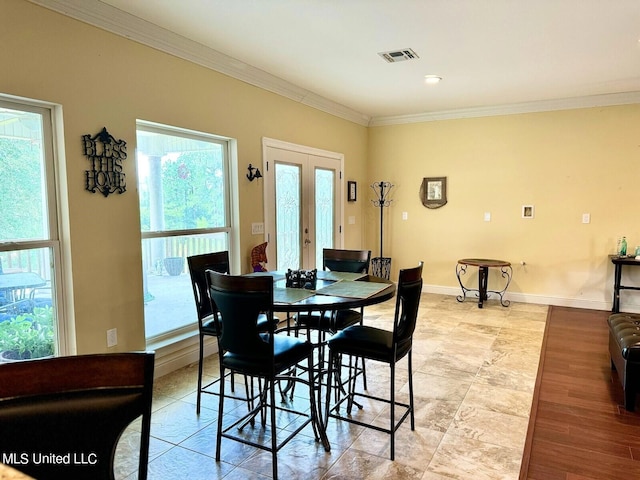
point(565, 163)
point(103, 80)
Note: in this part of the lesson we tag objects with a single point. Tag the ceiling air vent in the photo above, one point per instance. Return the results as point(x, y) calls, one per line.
point(395, 56)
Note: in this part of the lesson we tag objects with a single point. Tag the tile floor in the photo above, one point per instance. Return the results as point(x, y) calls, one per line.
point(474, 375)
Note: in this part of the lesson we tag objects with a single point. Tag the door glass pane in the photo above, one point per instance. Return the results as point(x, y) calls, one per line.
point(325, 207)
point(288, 212)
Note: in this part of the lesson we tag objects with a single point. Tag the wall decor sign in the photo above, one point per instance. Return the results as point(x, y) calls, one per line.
point(105, 155)
point(351, 191)
point(433, 192)
point(527, 211)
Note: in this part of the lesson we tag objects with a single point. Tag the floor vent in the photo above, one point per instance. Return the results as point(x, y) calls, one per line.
point(395, 56)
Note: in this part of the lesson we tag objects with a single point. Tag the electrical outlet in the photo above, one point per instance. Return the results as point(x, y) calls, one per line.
point(586, 218)
point(112, 337)
point(487, 216)
point(257, 229)
point(405, 215)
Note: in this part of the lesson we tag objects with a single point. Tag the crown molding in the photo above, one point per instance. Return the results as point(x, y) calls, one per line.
point(625, 98)
point(116, 21)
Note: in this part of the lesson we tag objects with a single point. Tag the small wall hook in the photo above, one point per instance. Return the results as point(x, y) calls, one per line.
point(252, 176)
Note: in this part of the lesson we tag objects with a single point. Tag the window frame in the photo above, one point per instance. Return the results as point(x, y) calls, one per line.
point(49, 114)
point(229, 229)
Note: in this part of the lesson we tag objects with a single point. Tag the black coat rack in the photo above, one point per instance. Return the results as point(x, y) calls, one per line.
point(381, 266)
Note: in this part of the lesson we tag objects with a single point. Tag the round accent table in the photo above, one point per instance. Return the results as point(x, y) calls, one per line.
point(484, 264)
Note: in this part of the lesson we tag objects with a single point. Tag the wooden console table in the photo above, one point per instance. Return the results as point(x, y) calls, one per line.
point(618, 262)
point(484, 264)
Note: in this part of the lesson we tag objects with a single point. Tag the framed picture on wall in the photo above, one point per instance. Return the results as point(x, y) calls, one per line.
point(433, 192)
point(527, 211)
point(351, 191)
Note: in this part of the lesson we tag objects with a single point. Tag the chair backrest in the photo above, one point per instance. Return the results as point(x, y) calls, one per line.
point(74, 409)
point(239, 300)
point(407, 304)
point(353, 261)
point(198, 265)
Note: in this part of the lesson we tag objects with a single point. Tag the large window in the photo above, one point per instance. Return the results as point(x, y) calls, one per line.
point(184, 210)
point(29, 243)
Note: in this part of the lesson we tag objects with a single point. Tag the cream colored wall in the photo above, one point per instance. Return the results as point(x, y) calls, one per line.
point(565, 163)
point(103, 80)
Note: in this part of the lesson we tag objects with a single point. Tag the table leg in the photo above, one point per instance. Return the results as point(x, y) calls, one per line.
point(461, 270)
point(483, 273)
point(616, 288)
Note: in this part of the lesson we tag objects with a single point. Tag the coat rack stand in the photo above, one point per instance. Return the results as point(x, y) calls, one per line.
point(381, 266)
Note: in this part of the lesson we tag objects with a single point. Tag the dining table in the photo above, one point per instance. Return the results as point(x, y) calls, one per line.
point(333, 291)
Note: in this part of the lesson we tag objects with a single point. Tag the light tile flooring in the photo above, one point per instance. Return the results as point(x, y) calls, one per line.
point(474, 375)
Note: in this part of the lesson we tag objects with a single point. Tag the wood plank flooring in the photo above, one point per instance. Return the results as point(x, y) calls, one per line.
point(579, 428)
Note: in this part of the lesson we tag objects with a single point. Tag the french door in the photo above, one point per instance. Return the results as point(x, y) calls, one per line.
point(303, 204)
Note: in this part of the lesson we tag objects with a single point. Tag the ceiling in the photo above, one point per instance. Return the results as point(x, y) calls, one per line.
point(489, 53)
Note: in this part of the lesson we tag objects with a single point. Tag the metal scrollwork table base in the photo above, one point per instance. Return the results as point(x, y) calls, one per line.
point(484, 264)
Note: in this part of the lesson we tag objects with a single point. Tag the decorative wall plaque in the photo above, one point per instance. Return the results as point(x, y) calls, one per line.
point(105, 154)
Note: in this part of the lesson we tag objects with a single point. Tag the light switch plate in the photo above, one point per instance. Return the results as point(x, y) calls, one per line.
point(112, 337)
point(487, 216)
point(257, 228)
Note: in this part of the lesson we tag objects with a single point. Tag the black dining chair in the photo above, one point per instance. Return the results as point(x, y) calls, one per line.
point(339, 260)
point(198, 265)
point(383, 346)
point(62, 417)
point(239, 300)
point(350, 261)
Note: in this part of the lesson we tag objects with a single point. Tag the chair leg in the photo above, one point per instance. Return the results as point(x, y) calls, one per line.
point(270, 384)
point(220, 413)
point(413, 422)
point(327, 404)
point(200, 360)
point(393, 409)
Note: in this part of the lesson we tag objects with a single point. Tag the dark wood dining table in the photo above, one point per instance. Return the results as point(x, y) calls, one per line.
point(334, 291)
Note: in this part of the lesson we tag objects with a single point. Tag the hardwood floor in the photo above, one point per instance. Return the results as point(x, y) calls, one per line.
point(579, 428)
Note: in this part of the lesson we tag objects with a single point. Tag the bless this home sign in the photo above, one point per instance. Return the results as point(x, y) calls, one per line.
point(105, 155)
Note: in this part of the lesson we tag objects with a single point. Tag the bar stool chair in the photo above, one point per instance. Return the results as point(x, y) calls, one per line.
point(383, 346)
point(330, 322)
point(268, 356)
point(198, 265)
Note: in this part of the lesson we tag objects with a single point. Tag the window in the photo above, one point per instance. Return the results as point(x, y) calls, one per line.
point(29, 242)
point(184, 210)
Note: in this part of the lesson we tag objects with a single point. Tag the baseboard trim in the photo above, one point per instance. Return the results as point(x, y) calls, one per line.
point(181, 354)
point(539, 299)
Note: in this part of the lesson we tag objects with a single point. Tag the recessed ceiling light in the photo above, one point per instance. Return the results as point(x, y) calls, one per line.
point(432, 79)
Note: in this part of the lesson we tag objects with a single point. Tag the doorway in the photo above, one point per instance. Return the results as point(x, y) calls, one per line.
point(303, 203)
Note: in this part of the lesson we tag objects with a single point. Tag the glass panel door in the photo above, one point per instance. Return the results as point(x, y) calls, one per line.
point(302, 198)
